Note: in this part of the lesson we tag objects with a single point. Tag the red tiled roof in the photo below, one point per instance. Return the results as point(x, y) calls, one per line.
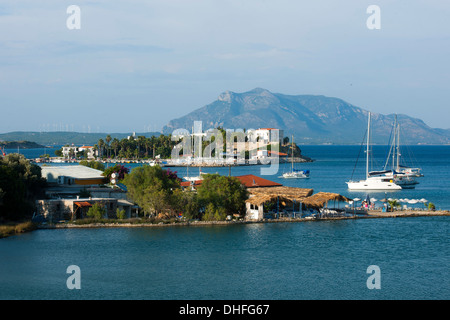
point(248, 180)
point(188, 183)
point(278, 153)
point(252, 181)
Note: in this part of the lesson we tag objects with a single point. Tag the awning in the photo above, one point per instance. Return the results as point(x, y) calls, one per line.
point(82, 204)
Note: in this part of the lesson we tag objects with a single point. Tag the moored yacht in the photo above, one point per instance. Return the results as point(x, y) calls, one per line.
point(375, 182)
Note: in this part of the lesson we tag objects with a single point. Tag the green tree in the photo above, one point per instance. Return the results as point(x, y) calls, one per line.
point(120, 213)
point(108, 140)
point(93, 164)
point(58, 152)
point(186, 203)
point(152, 188)
point(394, 203)
point(21, 184)
point(226, 195)
point(97, 211)
point(115, 146)
point(101, 145)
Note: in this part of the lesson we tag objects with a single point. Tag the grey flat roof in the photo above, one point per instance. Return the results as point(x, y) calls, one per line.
point(75, 171)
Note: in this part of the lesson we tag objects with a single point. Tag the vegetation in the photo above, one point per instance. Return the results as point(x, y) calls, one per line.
point(152, 189)
point(21, 184)
point(221, 196)
point(394, 203)
point(19, 144)
point(10, 229)
point(158, 192)
point(120, 214)
point(96, 212)
point(93, 164)
point(119, 169)
point(140, 147)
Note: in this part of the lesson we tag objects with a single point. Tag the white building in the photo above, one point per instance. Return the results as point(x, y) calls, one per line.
point(72, 151)
point(266, 135)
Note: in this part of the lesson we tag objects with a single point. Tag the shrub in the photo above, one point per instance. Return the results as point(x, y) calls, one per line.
point(120, 213)
point(96, 211)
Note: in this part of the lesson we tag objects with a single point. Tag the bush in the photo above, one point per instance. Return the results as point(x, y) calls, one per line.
point(96, 211)
point(120, 214)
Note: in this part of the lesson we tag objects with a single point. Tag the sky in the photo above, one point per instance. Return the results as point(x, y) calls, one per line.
point(132, 66)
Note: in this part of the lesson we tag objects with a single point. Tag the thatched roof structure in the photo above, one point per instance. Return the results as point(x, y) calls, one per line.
point(283, 194)
point(320, 199)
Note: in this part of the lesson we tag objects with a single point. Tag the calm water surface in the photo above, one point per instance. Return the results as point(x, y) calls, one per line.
point(309, 260)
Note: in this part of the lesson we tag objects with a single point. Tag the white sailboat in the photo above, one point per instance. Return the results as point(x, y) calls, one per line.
point(295, 173)
point(378, 182)
point(194, 178)
point(401, 175)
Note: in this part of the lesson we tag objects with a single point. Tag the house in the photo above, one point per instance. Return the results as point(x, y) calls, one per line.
point(72, 209)
point(72, 175)
point(248, 180)
point(72, 151)
point(266, 135)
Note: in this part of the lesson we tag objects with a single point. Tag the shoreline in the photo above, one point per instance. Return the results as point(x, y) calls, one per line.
point(375, 215)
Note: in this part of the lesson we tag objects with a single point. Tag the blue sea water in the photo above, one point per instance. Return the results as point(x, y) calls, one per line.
point(275, 261)
point(289, 261)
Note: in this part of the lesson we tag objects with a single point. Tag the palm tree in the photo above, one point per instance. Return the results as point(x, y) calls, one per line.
point(115, 145)
point(108, 139)
point(101, 144)
point(394, 203)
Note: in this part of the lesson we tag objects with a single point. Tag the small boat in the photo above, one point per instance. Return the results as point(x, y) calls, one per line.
point(372, 182)
point(295, 173)
point(199, 177)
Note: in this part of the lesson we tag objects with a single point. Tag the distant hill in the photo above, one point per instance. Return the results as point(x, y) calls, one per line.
point(62, 138)
point(20, 144)
point(311, 119)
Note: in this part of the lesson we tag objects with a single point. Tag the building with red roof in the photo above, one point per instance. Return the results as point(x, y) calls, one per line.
point(248, 180)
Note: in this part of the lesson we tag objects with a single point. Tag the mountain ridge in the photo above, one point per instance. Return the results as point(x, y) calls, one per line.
point(312, 119)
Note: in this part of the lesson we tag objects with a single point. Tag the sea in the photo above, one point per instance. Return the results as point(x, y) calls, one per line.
point(355, 259)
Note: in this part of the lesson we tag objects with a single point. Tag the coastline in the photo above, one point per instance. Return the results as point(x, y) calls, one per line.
point(372, 215)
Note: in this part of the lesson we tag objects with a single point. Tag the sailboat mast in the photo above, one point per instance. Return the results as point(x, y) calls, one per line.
point(367, 151)
point(398, 147)
point(394, 144)
point(292, 157)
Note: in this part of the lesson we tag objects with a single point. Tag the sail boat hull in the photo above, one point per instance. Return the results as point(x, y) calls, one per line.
point(304, 174)
point(372, 184)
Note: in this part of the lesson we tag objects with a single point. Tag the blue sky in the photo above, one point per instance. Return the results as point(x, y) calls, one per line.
point(135, 65)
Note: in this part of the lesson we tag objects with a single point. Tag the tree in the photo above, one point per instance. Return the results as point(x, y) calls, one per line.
point(93, 164)
point(394, 203)
point(96, 211)
point(108, 140)
point(152, 188)
point(115, 146)
point(100, 144)
point(224, 195)
point(119, 169)
point(21, 184)
point(186, 203)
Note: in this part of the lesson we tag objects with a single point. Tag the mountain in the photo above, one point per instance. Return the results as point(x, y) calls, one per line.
point(312, 119)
